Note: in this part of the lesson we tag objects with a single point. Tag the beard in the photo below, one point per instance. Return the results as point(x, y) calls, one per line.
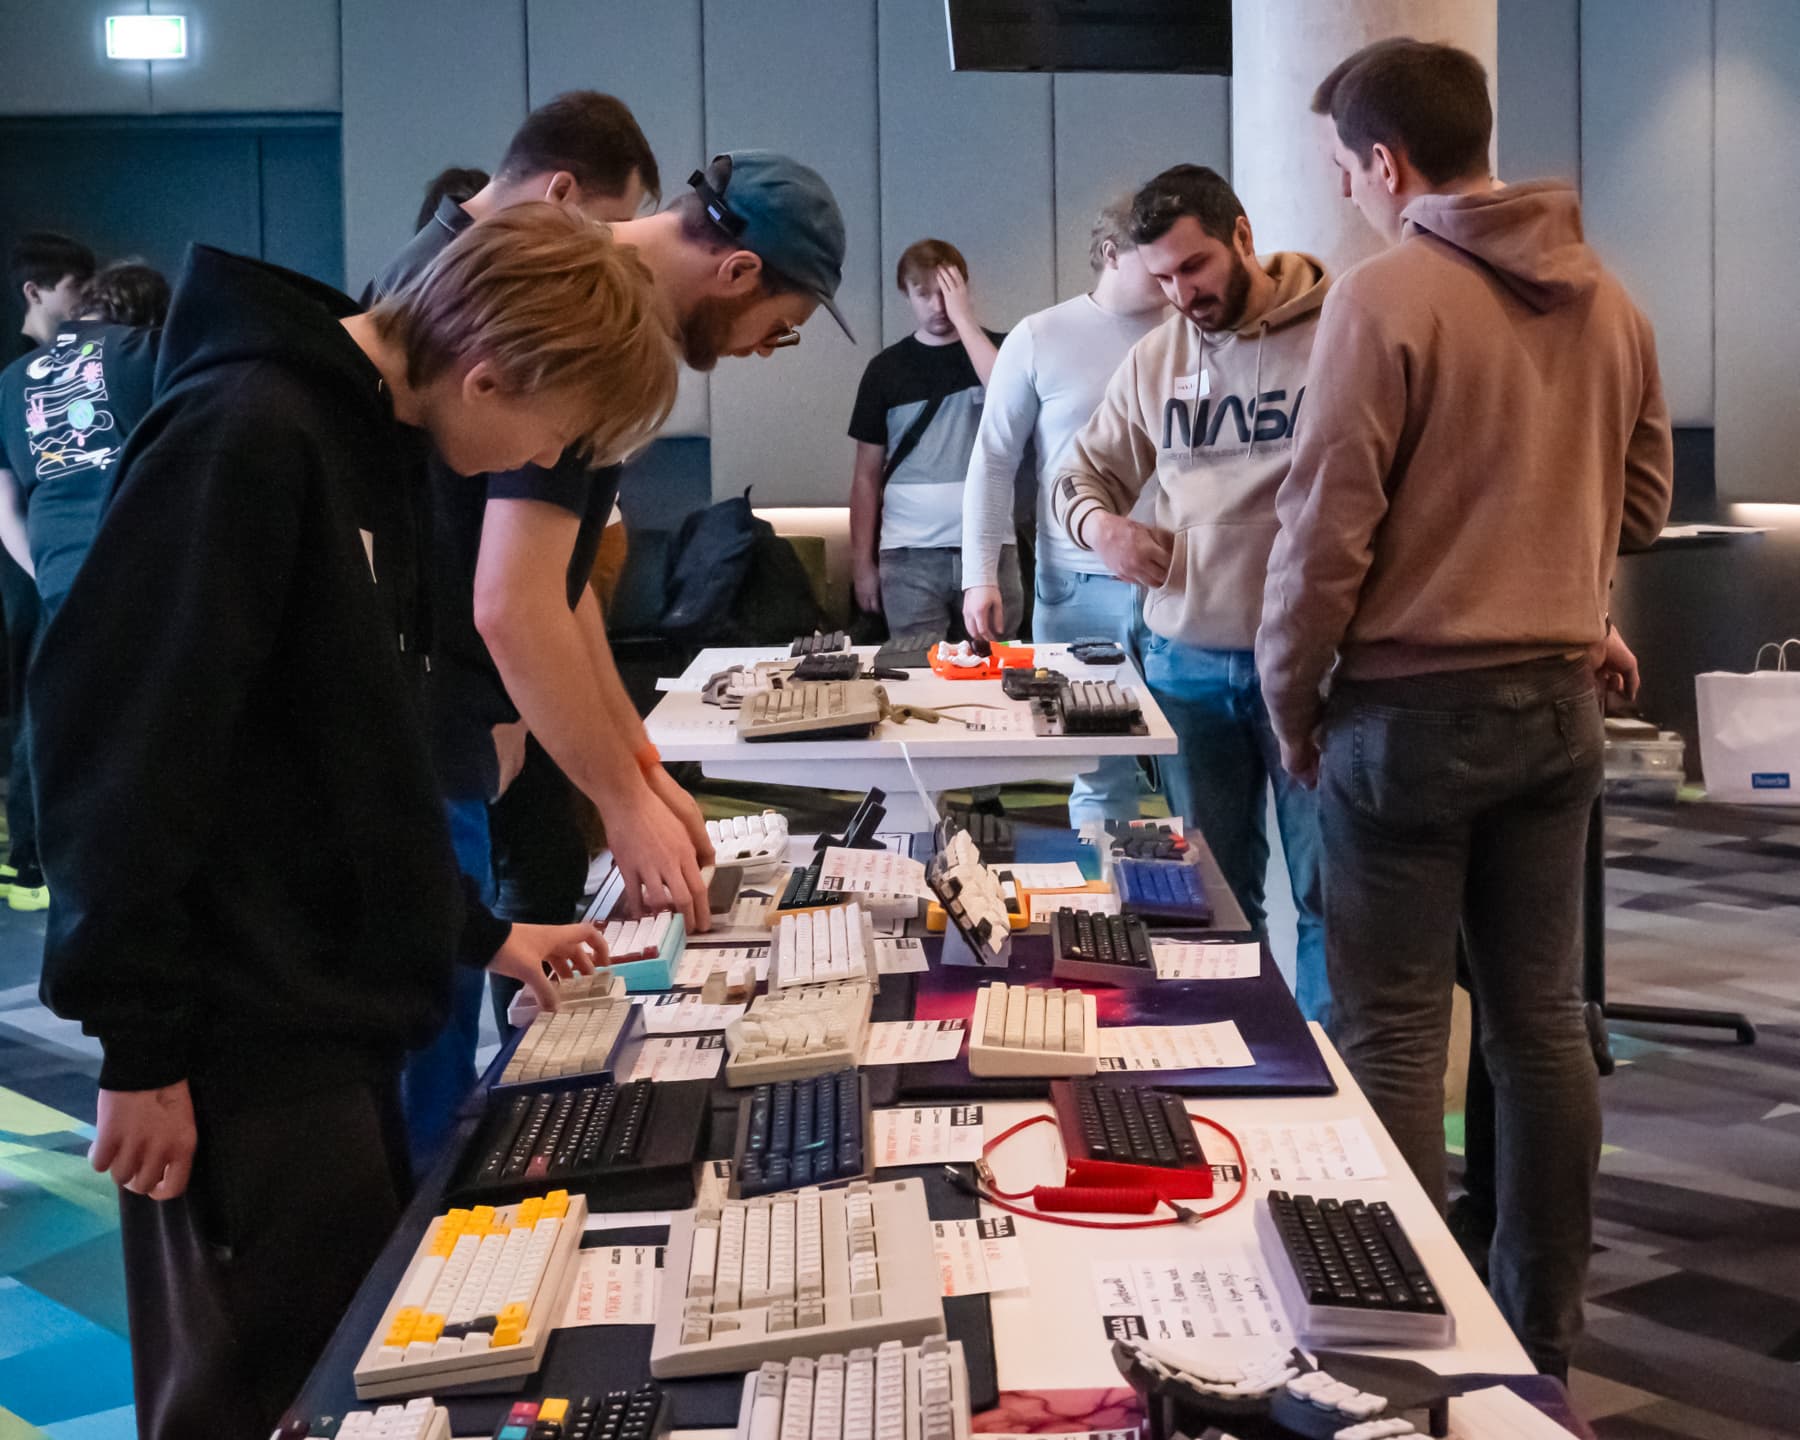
point(1228, 311)
point(707, 330)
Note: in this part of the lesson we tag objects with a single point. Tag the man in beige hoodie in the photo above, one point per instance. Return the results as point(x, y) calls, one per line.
point(1484, 428)
point(1205, 404)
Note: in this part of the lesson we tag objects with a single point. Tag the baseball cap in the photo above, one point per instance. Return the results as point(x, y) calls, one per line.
point(783, 212)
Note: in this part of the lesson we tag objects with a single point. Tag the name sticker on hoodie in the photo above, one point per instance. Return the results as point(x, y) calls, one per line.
point(1192, 387)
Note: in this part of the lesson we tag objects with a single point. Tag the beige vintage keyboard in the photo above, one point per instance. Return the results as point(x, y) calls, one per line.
point(805, 1273)
point(420, 1419)
point(579, 1038)
point(801, 1031)
point(818, 947)
point(1033, 1030)
point(757, 842)
point(809, 709)
point(478, 1301)
point(889, 1393)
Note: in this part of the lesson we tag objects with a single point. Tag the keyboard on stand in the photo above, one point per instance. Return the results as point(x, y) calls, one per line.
point(892, 1392)
point(802, 890)
point(973, 898)
point(757, 842)
point(420, 1419)
point(809, 1273)
point(812, 710)
point(478, 1300)
point(1101, 949)
point(794, 1133)
point(1112, 1134)
point(819, 947)
point(641, 1414)
point(1348, 1273)
point(820, 642)
point(801, 1031)
point(628, 1147)
point(1033, 1030)
point(580, 1037)
point(1162, 890)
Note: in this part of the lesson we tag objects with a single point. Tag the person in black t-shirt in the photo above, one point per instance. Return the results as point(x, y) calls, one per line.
point(917, 411)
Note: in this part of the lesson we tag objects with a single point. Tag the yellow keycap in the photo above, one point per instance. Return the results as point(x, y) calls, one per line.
point(428, 1328)
point(513, 1314)
point(553, 1411)
point(456, 1219)
point(481, 1217)
point(506, 1335)
point(401, 1331)
point(528, 1211)
point(556, 1204)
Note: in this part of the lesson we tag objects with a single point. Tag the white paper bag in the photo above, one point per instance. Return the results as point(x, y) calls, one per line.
point(1750, 731)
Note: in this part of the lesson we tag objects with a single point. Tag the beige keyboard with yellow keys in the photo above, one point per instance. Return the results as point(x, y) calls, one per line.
point(1033, 1030)
point(477, 1304)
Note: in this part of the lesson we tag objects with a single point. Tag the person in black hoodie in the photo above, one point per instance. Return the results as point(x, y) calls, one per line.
point(255, 904)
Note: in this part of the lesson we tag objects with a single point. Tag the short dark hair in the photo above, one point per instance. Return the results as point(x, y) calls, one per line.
point(1428, 102)
point(924, 258)
point(594, 137)
point(1196, 190)
point(127, 292)
point(458, 183)
point(43, 257)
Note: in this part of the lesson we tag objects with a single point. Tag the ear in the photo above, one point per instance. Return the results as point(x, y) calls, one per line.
point(480, 382)
point(1244, 237)
point(1387, 167)
point(1109, 255)
point(739, 273)
point(562, 189)
point(32, 292)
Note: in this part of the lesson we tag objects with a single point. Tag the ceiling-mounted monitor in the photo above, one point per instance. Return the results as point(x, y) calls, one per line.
point(1166, 37)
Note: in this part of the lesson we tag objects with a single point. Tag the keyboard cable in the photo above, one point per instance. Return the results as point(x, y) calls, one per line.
point(1114, 1199)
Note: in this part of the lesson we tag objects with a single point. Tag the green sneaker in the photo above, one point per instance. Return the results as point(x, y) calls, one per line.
point(28, 897)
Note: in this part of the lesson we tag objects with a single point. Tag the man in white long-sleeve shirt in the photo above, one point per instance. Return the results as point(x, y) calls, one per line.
point(1050, 375)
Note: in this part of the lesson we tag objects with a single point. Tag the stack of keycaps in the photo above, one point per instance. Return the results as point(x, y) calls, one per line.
point(800, 1132)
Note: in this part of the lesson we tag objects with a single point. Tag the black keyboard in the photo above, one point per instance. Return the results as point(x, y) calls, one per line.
point(1146, 842)
point(1101, 949)
point(628, 1144)
point(1349, 1273)
point(641, 1414)
point(995, 836)
point(801, 1132)
point(819, 643)
point(802, 891)
point(1099, 707)
point(1162, 890)
point(1125, 1125)
point(843, 665)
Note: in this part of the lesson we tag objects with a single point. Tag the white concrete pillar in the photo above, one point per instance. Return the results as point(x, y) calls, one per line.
point(1281, 50)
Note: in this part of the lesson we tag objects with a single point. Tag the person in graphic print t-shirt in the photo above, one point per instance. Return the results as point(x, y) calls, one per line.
point(1206, 404)
point(914, 424)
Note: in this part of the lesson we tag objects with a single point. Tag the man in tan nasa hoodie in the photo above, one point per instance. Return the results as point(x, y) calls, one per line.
point(1205, 405)
point(1485, 427)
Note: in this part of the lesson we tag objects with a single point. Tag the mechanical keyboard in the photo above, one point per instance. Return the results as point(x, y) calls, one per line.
point(1162, 890)
point(972, 895)
point(801, 1031)
point(420, 1419)
point(1101, 949)
point(803, 1274)
point(631, 1146)
point(794, 1133)
point(757, 842)
point(641, 1414)
point(1089, 707)
point(1033, 1030)
point(845, 665)
point(820, 642)
point(818, 947)
point(889, 1393)
point(1146, 840)
point(1348, 1273)
point(802, 892)
point(812, 710)
point(478, 1300)
point(643, 952)
point(994, 836)
point(1113, 1133)
point(574, 993)
point(578, 1038)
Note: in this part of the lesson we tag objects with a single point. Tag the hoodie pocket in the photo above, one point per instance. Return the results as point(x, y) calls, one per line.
point(1163, 604)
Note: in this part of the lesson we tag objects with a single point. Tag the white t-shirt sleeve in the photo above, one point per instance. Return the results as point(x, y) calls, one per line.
point(1008, 417)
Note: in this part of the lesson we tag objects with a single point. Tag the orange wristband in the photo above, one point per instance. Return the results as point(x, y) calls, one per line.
point(646, 755)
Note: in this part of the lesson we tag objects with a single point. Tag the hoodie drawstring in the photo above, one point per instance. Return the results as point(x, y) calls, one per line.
point(1262, 335)
point(1199, 370)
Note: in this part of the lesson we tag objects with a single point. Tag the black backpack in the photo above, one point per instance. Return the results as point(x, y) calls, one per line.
point(733, 581)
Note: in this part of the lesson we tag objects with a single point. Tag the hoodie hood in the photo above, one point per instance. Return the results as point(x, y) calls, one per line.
point(228, 309)
point(1528, 235)
point(1300, 287)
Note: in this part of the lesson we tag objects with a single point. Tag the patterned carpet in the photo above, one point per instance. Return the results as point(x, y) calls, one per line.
point(1694, 1325)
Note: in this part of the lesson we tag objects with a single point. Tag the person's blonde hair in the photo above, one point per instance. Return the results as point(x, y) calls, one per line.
point(553, 303)
point(1112, 222)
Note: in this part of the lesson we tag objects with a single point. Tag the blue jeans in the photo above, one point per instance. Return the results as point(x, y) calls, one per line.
point(1219, 781)
point(1460, 803)
point(438, 1077)
point(1072, 605)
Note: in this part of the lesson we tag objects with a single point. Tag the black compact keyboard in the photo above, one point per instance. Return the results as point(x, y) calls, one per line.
point(1162, 890)
point(819, 643)
point(641, 1414)
point(1099, 707)
point(841, 665)
point(1125, 1125)
point(1349, 1273)
point(802, 890)
point(995, 836)
point(801, 1132)
point(1101, 949)
point(1146, 842)
point(633, 1146)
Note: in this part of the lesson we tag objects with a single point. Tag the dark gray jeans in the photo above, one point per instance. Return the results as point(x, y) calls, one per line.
point(922, 590)
point(1462, 799)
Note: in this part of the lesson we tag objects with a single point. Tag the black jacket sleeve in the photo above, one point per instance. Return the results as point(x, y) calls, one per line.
point(483, 932)
point(136, 695)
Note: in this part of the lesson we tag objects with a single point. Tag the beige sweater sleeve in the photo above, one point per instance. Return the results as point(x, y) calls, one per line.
point(1649, 458)
point(1329, 507)
point(1109, 461)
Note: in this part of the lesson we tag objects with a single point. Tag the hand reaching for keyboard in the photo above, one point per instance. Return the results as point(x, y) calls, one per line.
point(532, 953)
point(657, 858)
point(145, 1139)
